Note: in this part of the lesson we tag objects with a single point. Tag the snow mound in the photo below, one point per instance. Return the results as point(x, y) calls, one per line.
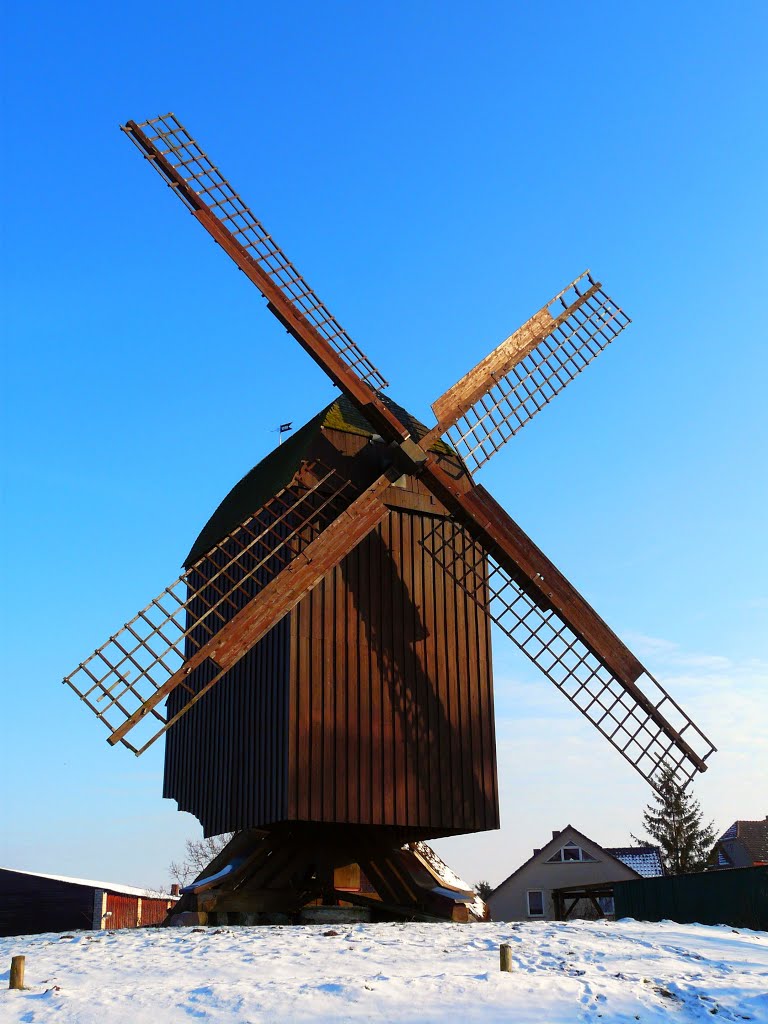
point(562, 973)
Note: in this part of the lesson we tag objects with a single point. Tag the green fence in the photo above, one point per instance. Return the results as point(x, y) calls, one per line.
point(735, 896)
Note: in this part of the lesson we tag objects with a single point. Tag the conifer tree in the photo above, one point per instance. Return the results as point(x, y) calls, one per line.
point(675, 823)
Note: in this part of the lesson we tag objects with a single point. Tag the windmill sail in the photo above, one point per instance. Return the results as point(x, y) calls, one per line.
point(638, 717)
point(126, 679)
point(179, 158)
point(496, 399)
point(219, 609)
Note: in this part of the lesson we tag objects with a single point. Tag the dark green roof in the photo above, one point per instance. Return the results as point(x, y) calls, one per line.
point(277, 470)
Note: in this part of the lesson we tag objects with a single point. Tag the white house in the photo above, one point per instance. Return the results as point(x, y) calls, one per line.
point(570, 860)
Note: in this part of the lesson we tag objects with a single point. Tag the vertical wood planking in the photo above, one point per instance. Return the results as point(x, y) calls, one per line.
point(385, 628)
point(374, 667)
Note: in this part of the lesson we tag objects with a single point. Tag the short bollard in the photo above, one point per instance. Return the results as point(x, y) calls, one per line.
point(17, 972)
point(505, 957)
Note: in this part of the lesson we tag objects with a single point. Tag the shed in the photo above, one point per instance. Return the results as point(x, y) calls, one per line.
point(32, 902)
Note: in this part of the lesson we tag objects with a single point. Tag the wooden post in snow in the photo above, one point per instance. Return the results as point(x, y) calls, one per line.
point(17, 972)
point(505, 957)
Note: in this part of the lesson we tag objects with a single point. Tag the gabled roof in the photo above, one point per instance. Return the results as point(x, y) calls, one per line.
point(645, 860)
point(118, 887)
point(745, 842)
point(555, 843)
point(277, 469)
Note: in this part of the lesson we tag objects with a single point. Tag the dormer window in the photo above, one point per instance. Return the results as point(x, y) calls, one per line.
point(571, 852)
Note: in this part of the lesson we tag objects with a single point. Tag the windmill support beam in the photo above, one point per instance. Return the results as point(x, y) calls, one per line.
point(284, 869)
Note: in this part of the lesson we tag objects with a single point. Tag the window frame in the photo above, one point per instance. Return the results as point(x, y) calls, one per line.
point(528, 893)
point(583, 856)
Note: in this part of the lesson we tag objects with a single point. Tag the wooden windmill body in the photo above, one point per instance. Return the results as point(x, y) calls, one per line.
point(322, 669)
point(371, 702)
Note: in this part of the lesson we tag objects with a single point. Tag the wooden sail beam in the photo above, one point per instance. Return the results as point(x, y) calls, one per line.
point(491, 403)
point(457, 400)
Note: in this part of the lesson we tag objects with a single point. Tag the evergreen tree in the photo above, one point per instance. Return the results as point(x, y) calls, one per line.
point(675, 823)
point(483, 889)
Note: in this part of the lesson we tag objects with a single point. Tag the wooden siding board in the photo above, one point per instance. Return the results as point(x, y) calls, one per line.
point(365, 711)
point(432, 763)
point(421, 807)
point(443, 702)
point(316, 737)
point(349, 755)
point(374, 668)
point(400, 739)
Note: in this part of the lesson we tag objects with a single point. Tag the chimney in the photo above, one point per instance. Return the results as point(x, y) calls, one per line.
point(175, 889)
point(535, 852)
point(556, 833)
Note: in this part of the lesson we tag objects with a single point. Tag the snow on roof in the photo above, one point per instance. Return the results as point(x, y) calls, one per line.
point(645, 860)
point(127, 890)
point(451, 879)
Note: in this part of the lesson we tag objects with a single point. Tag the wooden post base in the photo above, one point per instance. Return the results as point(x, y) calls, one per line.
point(270, 877)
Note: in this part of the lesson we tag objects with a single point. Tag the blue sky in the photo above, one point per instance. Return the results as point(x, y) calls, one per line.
point(437, 171)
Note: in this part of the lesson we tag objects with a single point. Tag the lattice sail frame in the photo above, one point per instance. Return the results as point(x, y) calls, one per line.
point(585, 324)
point(574, 669)
point(187, 157)
point(121, 675)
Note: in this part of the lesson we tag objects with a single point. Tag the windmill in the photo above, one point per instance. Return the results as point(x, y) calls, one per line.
point(322, 668)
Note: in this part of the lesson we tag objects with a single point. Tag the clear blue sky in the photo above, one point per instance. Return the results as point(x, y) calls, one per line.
point(438, 171)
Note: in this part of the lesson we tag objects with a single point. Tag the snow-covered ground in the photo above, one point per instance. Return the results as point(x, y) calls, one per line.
point(563, 973)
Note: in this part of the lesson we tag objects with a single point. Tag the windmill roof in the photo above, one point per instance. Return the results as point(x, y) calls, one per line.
point(277, 469)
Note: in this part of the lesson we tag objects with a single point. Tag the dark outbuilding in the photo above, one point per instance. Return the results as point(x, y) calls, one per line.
point(31, 903)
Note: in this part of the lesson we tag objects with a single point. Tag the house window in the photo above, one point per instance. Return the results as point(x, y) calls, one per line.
point(535, 903)
point(572, 853)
